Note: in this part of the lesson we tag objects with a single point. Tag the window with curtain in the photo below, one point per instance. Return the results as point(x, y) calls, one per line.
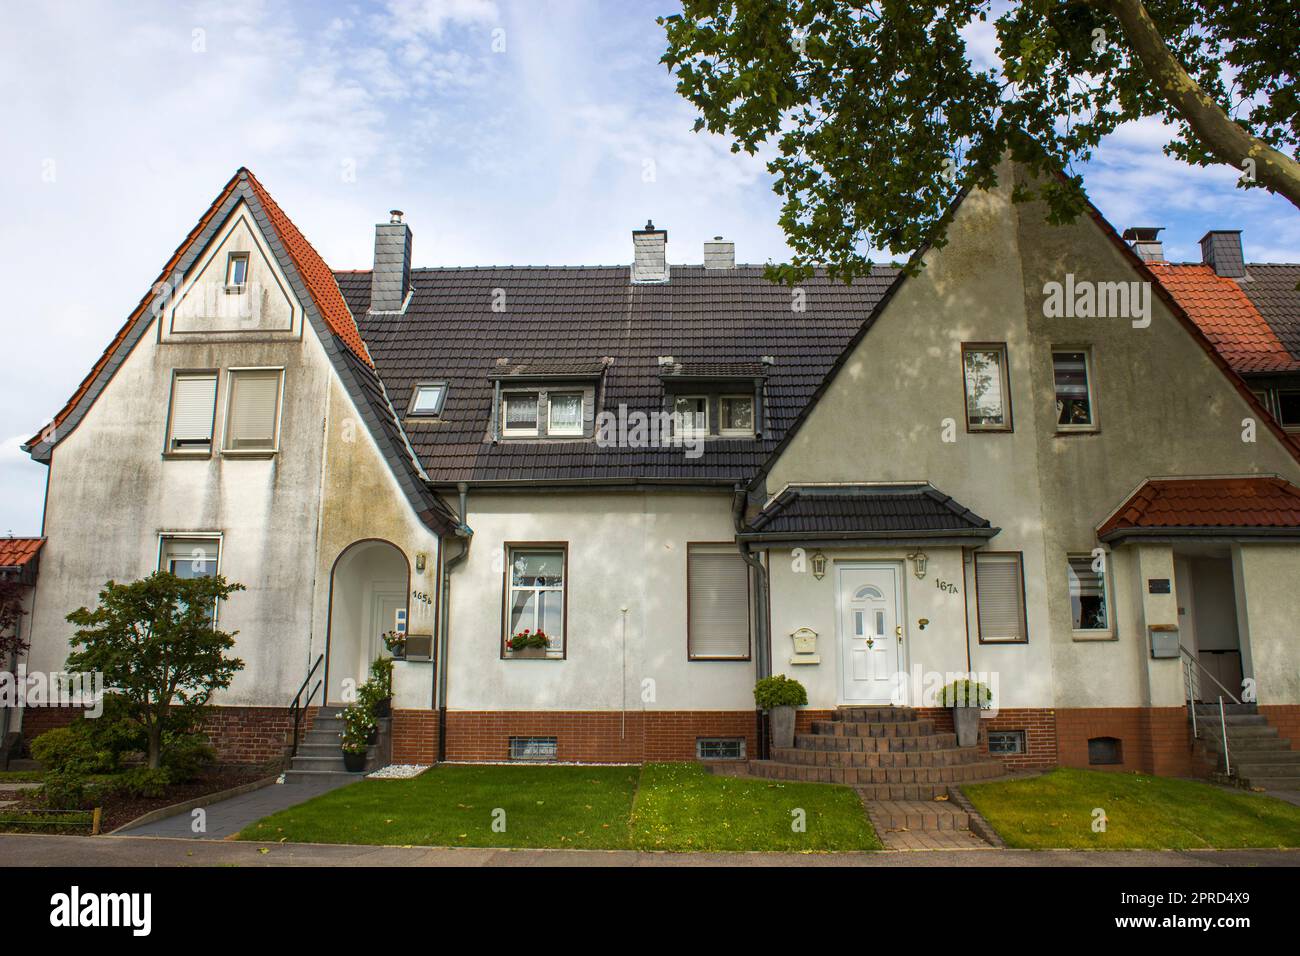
point(984, 370)
point(1000, 596)
point(737, 414)
point(253, 410)
point(535, 598)
point(718, 603)
point(194, 402)
point(519, 413)
point(1089, 604)
point(1073, 390)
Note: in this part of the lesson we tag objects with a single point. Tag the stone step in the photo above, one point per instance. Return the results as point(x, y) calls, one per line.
point(1271, 758)
point(920, 815)
point(334, 724)
point(1267, 778)
point(318, 762)
point(1234, 709)
point(875, 744)
point(897, 728)
point(1248, 744)
point(311, 749)
point(1235, 732)
point(853, 714)
point(935, 778)
point(864, 758)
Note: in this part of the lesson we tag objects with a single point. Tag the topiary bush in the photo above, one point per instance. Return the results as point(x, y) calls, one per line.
point(964, 693)
point(779, 691)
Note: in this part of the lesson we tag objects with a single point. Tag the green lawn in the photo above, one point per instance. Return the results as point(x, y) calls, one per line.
point(1056, 810)
point(660, 806)
point(681, 806)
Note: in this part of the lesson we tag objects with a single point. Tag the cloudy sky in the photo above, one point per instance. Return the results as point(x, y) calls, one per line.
point(509, 132)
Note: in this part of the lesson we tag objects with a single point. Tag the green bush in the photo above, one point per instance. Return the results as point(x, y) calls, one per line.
point(64, 790)
point(381, 675)
point(73, 750)
point(185, 756)
point(964, 693)
point(779, 691)
point(142, 782)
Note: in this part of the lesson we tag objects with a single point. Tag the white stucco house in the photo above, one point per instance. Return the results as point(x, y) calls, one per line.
point(1025, 461)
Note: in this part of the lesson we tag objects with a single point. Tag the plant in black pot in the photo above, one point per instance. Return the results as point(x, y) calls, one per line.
point(358, 726)
point(395, 641)
point(966, 698)
point(377, 692)
point(779, 696)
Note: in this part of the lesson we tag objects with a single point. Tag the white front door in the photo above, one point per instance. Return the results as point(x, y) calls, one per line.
point(870, 633)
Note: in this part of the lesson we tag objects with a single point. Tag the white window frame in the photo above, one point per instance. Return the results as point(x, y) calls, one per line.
point(164, 553)
point(553, 652)
point(692, 432)
point(722, 416)
point(231, 258)
point(191, 451)
point(1000, 348)
point(1092, 426)
point(565, 432)
point(413, 412)
point(506, 431)
point(279, 413)
point(1107, 595)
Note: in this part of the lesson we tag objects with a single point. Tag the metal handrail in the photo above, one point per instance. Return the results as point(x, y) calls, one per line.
point(1191, 658)
point(298, 704)
point(1192, 669)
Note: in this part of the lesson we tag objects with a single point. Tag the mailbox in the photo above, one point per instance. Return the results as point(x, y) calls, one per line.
point(1164, 641)
point(805, 646)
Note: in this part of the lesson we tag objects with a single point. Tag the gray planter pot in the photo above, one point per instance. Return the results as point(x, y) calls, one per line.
point(781, 720)
point(529, 654)
point(967, 722)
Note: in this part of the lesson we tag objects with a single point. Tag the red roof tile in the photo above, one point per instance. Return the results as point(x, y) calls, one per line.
point(16, 552)
point(1227, 316)
point(1263, 502)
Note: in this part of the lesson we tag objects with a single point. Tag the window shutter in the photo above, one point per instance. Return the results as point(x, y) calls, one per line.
point(1001, 596)
point(192, 403)
point(252, 409)
point(718, 588)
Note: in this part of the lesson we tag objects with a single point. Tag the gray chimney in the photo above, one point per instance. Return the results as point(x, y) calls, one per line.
point(391, 278)
point(1146, 242)
point(719, 254)
point(1221, 251)
point(649, 254)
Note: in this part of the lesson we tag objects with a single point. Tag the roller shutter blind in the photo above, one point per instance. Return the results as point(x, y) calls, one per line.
point(254, 403)
point(1000, 592)
point(193, 401)
point(718, 586)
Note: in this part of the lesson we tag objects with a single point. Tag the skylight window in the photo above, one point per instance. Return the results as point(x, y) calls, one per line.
point(427, 399)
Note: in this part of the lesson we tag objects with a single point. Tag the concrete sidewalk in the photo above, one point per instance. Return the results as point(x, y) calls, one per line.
point(227, 817)
point(70, 851)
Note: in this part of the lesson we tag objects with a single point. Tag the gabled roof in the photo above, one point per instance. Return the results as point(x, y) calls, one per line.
point(1261, 505)
point(17, 553)
point(1275, 291)
point(576, 317)
point(1228, 317)
point(864, 511)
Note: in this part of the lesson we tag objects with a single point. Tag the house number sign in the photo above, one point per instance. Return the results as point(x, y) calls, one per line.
point(945, 586)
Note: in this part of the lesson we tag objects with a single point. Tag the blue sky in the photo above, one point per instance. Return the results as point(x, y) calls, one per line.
point(509, 132)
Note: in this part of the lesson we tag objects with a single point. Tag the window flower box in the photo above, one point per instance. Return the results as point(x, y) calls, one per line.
point(528, 645)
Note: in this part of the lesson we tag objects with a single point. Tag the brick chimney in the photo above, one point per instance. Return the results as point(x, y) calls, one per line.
point(719, 254)
point(1146, 242)
point(391, 278)
point(1221, 251)
point(649, 254)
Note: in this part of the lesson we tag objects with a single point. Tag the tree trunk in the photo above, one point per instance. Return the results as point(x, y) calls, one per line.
point(1231, 143)
point(155, 746)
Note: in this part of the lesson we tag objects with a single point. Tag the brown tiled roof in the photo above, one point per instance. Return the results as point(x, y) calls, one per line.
point(1227, 316)
point(867, 510)
point(1275, 291)
point(17, 552)
point(579, 316)
point(1208, 503)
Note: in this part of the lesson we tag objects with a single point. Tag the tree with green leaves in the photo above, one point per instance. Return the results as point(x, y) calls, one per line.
point(11, 615)
point(879, 118)
point(158, 647)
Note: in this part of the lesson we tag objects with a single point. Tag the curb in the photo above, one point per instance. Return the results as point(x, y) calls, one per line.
point(978, 825)
point(162, 813)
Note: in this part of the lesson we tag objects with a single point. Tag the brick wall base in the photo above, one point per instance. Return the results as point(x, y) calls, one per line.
point(240, 735)
point(1286, 718)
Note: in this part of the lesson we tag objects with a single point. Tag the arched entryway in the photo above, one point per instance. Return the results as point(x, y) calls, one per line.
point(370, 583)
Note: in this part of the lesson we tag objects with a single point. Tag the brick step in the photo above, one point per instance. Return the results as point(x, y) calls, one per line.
point(896, 728)
point(862, 758)
point(875, 744)
point(934, 777)
point(920, 815)
point(874, 715)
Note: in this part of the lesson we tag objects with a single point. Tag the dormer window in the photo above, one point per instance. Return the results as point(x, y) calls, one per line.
point(427, 399)
point(736, 416)
point(691, 414)
point(236, 271)
point(564, 413)
point(519, 414)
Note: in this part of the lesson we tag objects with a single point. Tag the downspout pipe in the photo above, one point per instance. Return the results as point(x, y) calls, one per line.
point(762, 645)
point(466, 535)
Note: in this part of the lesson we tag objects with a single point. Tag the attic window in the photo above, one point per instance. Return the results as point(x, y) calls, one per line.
point(427, 399)
point(236, 271)
point(737, 414)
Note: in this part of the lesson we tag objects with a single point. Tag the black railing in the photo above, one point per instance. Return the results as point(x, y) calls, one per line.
point(299, 705)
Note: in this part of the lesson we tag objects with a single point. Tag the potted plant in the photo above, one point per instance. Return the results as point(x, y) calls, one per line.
point(378, 690)
point(528, 643)
point(395, 641)
point(966, 698)
point(779, 696)
point(358, 726)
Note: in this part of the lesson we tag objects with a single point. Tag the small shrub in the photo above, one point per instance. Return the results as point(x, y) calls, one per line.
point(964, 693)
point(381, 675)
point(64, 790)
point(779, 691)
point(73, 750)
point(358, 723)
point(185, 756)
point(149, 782)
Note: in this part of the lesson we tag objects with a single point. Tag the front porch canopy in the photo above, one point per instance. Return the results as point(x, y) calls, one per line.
point(883, 515)
point(1263, 508)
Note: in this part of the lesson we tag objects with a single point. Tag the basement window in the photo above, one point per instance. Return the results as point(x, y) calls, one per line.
point(1103, 751)
point(1003, 743)
point(720, 748)
point(532, 748)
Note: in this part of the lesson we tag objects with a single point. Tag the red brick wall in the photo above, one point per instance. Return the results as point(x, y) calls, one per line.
point(415, 736)
point(1154, 739)
point(1286, 718)
point(1038, 723)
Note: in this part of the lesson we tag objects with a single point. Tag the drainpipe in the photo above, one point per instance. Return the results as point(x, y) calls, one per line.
point(466, 535)
point(762, 647)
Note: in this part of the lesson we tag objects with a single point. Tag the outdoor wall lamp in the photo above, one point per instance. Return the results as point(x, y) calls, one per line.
point(819, 565)
point(919, 560)
point(421, 559)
